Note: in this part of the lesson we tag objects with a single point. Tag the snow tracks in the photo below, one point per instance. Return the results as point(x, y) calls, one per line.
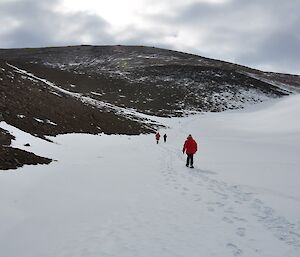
point(249, 225)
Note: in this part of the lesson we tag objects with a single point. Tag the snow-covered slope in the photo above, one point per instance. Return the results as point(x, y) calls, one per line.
point(127, 196)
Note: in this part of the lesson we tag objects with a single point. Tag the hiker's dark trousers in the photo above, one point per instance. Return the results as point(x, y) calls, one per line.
point(190, 160)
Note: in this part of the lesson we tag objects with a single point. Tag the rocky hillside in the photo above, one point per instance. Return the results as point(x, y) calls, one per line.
point(114, 89)
point(151, 80)
point(11, 158)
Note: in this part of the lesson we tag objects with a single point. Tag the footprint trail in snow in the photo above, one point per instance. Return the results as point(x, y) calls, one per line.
point(237, 207)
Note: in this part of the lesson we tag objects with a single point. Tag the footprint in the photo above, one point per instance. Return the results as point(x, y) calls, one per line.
point(240, 219)
point(280, 226)
point(238, 202)
point(229, 210)
point(221, 194)
point(227, 220)
point(235, 250)
point(218, 204)
point(198, 198)
point(240, 232)
point(211, 209)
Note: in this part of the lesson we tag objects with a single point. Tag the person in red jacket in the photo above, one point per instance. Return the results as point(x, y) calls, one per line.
point(157, 137)
point(190, 148)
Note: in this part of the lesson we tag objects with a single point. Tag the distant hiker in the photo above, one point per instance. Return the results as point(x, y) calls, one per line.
point(190, 148)
point(165, 138)
point(157, 137)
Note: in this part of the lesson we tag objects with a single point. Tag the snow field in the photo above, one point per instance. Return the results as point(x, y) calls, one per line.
point(127, 196)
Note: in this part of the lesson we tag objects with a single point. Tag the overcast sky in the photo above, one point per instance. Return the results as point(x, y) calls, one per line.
point(263, 34)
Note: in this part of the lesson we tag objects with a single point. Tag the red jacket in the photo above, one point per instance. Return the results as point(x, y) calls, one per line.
point(157, 136)
point(190, 146)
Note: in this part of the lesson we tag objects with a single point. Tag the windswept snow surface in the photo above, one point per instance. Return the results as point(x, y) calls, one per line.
point(127, 196)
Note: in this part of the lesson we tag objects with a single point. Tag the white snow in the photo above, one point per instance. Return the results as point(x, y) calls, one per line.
point(279, 117)
point(38, 120)
point(127, 196)
point(54, 93)
point(29, 78)
point(51, 122)
point(95, 93)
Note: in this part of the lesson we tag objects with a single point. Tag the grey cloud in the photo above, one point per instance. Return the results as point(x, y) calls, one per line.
point(252, 33)
point(40, 24)
point(281, 49)
point(278, 44)
point(133, 35)
point(255, 33)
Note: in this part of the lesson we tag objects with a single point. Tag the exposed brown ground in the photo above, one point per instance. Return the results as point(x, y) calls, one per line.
point(12, 158)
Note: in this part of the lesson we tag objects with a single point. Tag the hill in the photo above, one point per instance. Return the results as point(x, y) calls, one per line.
point(112, 89)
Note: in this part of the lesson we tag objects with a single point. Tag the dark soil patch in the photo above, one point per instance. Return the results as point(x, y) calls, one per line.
point(12, 158)
point(39, 110)
point(5, 137)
